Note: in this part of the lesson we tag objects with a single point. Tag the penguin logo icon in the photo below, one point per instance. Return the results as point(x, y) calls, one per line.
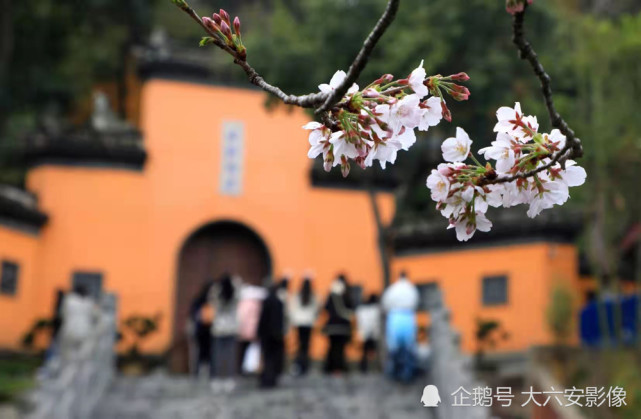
point(430, 396)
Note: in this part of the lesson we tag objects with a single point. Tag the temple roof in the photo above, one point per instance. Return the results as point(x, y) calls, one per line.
point(20, 208)
point(104, 140)
point(509, 226)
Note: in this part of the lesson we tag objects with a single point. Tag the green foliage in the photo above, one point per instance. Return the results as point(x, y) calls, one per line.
point(51, 55)
point(16, 376)
point(559, 312)
point(598, 66)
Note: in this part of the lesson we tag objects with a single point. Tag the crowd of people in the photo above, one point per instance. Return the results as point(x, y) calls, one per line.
point(239, 328)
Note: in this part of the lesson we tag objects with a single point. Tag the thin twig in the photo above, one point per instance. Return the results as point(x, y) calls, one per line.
point(572, 148)
point(363, 56)
point(526, 52)
point(305, 101)
point(559, 157)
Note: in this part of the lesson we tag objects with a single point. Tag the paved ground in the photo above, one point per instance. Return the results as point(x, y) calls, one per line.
point(353, 397)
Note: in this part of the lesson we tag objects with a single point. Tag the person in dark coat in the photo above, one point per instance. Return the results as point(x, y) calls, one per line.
point(271, 326)
point(201, 329)
point(338, 327)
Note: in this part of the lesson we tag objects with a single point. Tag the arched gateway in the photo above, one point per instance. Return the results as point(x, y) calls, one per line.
point(210, 251)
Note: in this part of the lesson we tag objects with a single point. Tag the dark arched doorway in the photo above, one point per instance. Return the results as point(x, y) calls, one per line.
point(210, 251)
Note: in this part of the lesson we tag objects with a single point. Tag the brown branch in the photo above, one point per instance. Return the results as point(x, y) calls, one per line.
point(526, 52)
point(363, 56)
point(560, 157)
point(305, 101)
point(572, 148)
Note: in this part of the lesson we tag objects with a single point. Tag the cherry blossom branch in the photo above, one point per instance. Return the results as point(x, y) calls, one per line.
point(560, 156)
point(305, 101)
point(361, 59)
point(573, 147)
point(526, 52)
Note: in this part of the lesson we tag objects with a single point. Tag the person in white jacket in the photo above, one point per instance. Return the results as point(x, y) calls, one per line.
point(303, 310)
point(78, 315)
point(400, 302)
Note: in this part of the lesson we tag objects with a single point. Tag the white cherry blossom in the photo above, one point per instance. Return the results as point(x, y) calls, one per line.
point(432, 114)
point(404, 113)
point(502, 151)
point(416, 79)
point(439, 185)
point(336, 81)
point(342, 147)
point(456, 149)
point(465, 228)
point(556, 137)
point(509, 120)
point(318, 139)
point(385, 152)
point(573, 175)
point(554, 193)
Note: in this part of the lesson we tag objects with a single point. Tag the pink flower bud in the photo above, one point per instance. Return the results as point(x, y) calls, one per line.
point(344, 166)
point(460, 77)
point(371, 93)
point(225, 29)
point(459, 92)
point(385, 78)
point(446, 112)
point(210, 23)
point(237, 25)
point(217, 18)
point(225, 16)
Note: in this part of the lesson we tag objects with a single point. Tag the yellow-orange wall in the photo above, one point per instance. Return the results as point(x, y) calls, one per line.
point(17, 311)
point(130, 225)
point(532, 270)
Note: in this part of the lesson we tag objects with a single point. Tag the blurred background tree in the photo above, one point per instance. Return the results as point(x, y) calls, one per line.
point(53, 53)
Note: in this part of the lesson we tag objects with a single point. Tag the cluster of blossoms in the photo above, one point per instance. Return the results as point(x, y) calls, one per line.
point(221, 25)
point(464, 192)
point(378, 121)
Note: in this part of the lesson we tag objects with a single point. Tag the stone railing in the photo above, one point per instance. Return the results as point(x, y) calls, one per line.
point(450, 370)
point(71, 390)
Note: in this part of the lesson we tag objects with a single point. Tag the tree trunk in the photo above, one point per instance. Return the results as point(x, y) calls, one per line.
point(380, 233)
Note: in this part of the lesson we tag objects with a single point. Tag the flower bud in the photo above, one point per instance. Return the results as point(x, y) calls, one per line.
point(329, 161)
point(217, 18)
point(210, 24)
point(344, 166)
point(224, 28)
point(225, 17)
point(446, 112)
point(371, 93)
point(459, 92)
point(237, 25)
point(385, 78)
point(459, 77)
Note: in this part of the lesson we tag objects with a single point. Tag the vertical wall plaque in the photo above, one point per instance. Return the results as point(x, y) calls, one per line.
point(232, 153)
